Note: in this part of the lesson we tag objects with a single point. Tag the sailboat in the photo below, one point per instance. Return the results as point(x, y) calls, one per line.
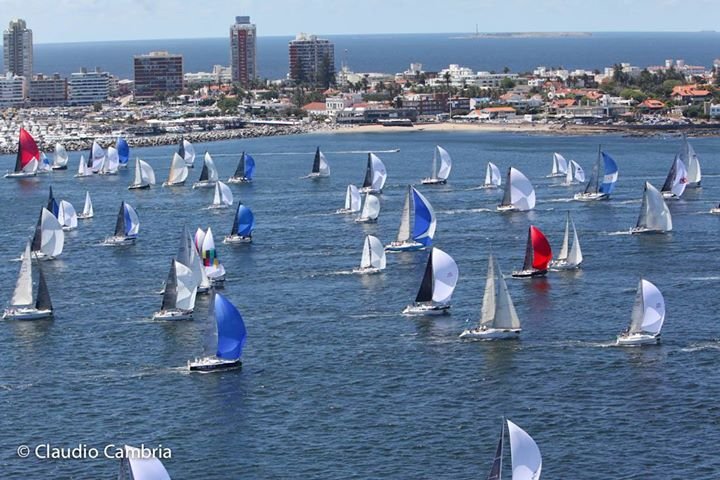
point(67, 216)
point(178, 300)
point(144, 175)
point(189, 255)
point(211, 263)
point(370, 211)
point(208, 175)
point(715, 210)
point(595, 190)
point(537, 255)
point(373, 256)
point(690, 158)
point(320, 166)
point(574, 174)
point(424, 224)
point(559, 166)
point(186, 151)
point(83, 169)
point(231, 335)
point(245, 170)
point(375, 175)
point(676, 180)
point(60, 159)
point(87, 208)
point(519, 193)
point(436, 288)
point(44, 166)
point(127, 226)
point(111, 164)
point(52, 205)
point(243, 226)
point(498, 318)
point(654, 213)
point(135, 465)
point(21, 305)
point(352, 200)
point(492, 176)
point(439, 175)
point(96, 160)
point(525, 454)
point(49, 239)
point(646, 320)
point(178, 172)
point(223, 196)
point(123, 150)
point(26, 161)
point(570, 256)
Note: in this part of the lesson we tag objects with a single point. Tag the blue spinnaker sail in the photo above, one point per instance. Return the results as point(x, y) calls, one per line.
point(230, 329)
point(245, 221)
point(424, 225)
point(611, 174)
point(123, 151)
point(249, 166)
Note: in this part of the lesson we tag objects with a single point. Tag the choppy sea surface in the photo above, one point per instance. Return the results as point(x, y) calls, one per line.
point(336, 383)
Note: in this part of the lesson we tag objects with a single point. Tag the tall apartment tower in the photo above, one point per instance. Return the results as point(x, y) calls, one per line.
point(243, 61)
point(18, 49)
point(312, 60)
point(157, 73)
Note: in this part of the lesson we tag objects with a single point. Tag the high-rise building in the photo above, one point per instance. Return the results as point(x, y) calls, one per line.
point(87, 88)
point(243, 61)
point(312, 60)
point(18, 49)
point(157, 73)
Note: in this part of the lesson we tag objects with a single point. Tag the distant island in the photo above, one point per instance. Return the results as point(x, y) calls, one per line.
point(526, 35)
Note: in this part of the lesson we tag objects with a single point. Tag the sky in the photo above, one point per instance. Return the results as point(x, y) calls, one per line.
point(58, 21)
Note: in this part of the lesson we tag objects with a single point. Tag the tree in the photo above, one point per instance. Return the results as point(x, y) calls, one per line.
point(97, 107)
point(507, 83)
point(506, 70)
point(227, 104)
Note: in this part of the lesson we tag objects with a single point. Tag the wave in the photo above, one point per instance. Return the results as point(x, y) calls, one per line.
point(465, 210)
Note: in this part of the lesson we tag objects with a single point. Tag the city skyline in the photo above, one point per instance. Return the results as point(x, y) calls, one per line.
point(88, 20)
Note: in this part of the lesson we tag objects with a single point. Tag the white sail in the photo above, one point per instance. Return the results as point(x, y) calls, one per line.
point(186, 287)
point(445, 163)
point(144, 173)
point(404, 231)
point(522, 193)
point(189, 153)
point(526, 458)
point(560, 165)
point(373, 255)
point(680, 180)
point(44, 164)
point(83, 169)
point(215, 269)
point(352, 199)
point(694, 174)
point(445, 276)
point(371, 208)
point(492, 175)
point(212, 169)
point(60, 158)
point(88, 207)
point(223, 194)
point(112, 161)
point(196, 263)
point(31, 166)
point(578, 172)
point(67, 216)
point(52, 237)
point(379, 173)
point(648, 312)
point(144, 468)
point(98, 157)
point(654, 212)
point(178, 170)
point(199, 240)
point(324, 167)
point(23, 294)
point(498, 310)
point(574, 256)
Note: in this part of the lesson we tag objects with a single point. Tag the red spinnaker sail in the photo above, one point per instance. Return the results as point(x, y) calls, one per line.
point(27, 150)
point(541, 249)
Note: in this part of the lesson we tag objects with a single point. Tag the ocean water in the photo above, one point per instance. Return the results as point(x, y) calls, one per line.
point(393, 53)
point(336, 382)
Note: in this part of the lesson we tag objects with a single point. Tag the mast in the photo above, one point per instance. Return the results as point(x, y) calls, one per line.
point(316, 162)
point(170, 295)
point(368, 173)
point(425, 293)
point(528, 264)
point(670, 179)
point(507, 196)
point(240, 170)
point(120, 222)
point(496, 470)
point(43, 297)
point(235, 226)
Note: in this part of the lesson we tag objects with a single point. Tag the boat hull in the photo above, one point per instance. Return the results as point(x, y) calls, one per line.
point(365, 220)
point(491, 334)
point(529, 273)
point(715, 211)
point(370, 190)
point(346, 210)
point(433, 181)
point(645, 230)
point(26, 313)
point(204, 184)
point(237, 239)
point(426, 309)
point(489, 186)
point(40, 256)
point(119, 241)
point(239, 180)
point(79, 175)
point(173, 314)
point(395, 247)
point(591, 197)
point(20, 174)
point(507, 208)
point(637, 339)
point(173, 184)
point(316, 176)
point(563, 265)
point(556, 175)
point(670, 196)
point(218, 207)
point(367, 270)
point(213, 364)
point(84, 217)
point(139, 187)
point(59, 167)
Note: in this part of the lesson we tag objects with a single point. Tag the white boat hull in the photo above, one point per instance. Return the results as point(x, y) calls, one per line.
point(365, 220)
point(217, 207)
point(239, 180)
point(591, 197)
point(367, 270)
point(529, 273)
point(139, 187)
point(78, 175)
point(20, 174)
point(346, 210)
point(507, 208)
point(715, 211)
point(670, 195)
point(426, 309)
point(213, 364)
point(395, 247)
point(119, 241)
point(173, 184)
point(39, 255)
point(645, 230)
point(316, 176)
point(489, 186)
point(82, 216)
point(370, 190)
point(556, 175)
point(491, 334)
point(237, 239)
point(636, 339)
point(563, 265)
point(174, 314)
point(204, 184)
point(433, 181)
point(26, 313)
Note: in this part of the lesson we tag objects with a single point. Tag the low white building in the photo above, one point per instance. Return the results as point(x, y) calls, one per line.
point(86, 88)
point(464, 76)
point(338, 103)
point(219, 74)
point(714, 110)
point(12, 90)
